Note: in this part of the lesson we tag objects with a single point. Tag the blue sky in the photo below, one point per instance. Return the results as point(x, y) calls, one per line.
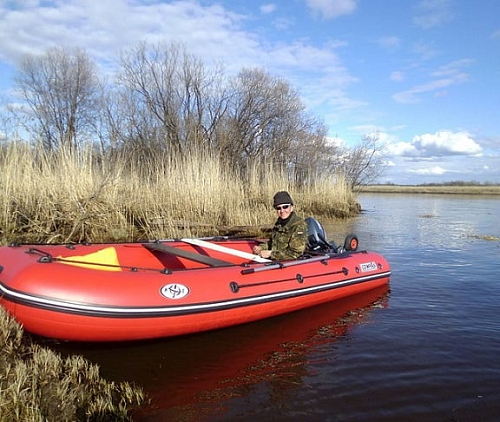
point(423, 75)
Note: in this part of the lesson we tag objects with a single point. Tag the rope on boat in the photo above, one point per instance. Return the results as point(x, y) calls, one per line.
point(47, 258)
point(127, 267)
point(235, 287)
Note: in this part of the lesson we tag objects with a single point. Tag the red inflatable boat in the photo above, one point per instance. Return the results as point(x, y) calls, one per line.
point(133, 291)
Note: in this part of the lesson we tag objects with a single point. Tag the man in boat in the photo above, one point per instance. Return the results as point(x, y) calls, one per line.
point(289, 236)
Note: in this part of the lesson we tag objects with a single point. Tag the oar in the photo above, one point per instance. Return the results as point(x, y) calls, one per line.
point(224, 249)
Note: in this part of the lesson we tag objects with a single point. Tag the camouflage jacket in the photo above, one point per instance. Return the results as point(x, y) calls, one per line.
point(288, 241)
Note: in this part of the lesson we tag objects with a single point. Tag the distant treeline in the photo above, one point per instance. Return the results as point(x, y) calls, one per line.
point(452, 183)
point(461, 183)
point(462, 188)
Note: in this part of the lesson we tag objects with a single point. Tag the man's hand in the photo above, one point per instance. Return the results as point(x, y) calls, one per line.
point(265, 254)
point(257, 250)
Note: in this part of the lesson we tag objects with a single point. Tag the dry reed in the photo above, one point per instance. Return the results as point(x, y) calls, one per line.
point(73, 196)
point(37, 384)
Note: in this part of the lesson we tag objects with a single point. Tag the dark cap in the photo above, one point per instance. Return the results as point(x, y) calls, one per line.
point(282, 197)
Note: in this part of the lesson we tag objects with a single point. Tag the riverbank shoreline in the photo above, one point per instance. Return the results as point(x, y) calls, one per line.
point(433, 189)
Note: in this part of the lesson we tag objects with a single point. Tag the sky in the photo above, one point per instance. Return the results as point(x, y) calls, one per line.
point(421, 75)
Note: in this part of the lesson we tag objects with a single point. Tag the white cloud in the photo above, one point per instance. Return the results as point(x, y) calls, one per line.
point(447, 143)
point(305, 56)
point(320, 74)
point(106, 27)
point(330, 9)
point(433, 13)
point(424, 50)
point(445, 76)
point(439, 144)
point(390, 43)
point(397, 128)
point(267, 8)
point(453, 69)
point(397, 76)
point(366, 128)
point(283, 23)
point(412, 95)
point(212, 33)
point(402, 149)
point(385, 136)
point(496, 35)
point(429, 171)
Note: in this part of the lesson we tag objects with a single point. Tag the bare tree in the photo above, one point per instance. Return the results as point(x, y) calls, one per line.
point(309, 153)
point(6, 120)
point(267, 120)
point(259, 114)
point(364, 163)
point(166, 102)
point(173, 91)
point(61, 90)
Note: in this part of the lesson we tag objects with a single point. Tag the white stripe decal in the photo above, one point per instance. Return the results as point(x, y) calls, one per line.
point(182, 309)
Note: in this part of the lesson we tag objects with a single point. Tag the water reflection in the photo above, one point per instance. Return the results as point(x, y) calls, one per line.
point(195, 375)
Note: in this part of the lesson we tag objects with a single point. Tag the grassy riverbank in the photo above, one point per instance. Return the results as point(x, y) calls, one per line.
point(435, 189)
point(75, 197)
point(36, 384)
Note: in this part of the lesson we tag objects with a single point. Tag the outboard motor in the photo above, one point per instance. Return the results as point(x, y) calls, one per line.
point(316, 239)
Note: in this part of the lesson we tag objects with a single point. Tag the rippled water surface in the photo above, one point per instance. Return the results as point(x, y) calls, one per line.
point(427, 349)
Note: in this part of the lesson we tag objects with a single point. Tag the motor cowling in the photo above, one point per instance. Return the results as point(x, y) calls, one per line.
point(316, 238)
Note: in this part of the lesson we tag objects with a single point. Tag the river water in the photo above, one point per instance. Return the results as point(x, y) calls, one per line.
point(426, 348)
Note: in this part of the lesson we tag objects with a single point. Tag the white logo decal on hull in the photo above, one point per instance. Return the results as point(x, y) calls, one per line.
point(174, 291)
point(368, 266)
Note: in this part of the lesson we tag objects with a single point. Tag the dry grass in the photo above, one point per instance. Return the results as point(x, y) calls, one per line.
point(488, 238)
point(67, 196)
point(37, 384)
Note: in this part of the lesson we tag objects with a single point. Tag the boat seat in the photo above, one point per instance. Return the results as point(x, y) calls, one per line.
point(193, 256)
